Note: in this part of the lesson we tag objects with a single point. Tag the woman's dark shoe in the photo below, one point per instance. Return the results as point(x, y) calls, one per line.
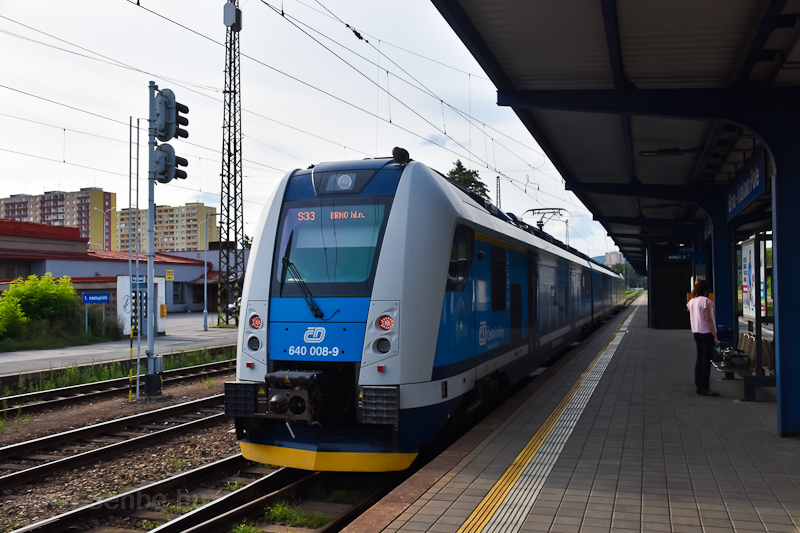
point(708, 393)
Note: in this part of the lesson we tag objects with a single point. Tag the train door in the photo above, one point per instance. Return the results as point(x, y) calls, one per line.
point(575, 294)
point(516, 312)
point(533, 298)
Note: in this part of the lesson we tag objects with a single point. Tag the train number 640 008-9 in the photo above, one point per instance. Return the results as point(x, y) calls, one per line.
point(317, 351)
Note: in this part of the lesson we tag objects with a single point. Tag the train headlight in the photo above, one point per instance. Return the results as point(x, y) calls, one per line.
point(383, 345)
point(297, 405)
point(255, 322)
point(253, 343)
point(385, 322)
point(344, 182)
point(278, 404)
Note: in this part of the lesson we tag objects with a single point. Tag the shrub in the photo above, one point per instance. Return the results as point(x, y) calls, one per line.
point(12, 319)
point(44, 298)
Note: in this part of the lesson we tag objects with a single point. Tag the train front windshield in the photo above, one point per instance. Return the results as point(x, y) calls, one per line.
point(333, 245)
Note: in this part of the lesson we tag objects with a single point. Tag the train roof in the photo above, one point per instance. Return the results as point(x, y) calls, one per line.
point(513, 220)
point(392, 162)
point(355, 164)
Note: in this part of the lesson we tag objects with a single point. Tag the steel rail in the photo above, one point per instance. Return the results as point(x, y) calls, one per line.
point(253, 505)
point(103, 427)
point(226, 512)
point(33, 401)
point(36, 472)
point(128, 501)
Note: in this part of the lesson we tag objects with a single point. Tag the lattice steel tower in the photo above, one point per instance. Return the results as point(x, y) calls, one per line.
point(231, 224)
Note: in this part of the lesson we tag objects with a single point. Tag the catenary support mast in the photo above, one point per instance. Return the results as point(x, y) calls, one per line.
point(231, 254)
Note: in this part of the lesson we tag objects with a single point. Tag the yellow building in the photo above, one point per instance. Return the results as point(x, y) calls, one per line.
point(177, 229)
point(90, 209)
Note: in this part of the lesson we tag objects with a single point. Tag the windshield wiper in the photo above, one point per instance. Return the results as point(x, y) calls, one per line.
point(288, 265)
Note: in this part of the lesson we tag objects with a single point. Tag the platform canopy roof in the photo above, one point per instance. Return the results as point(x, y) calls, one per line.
point(614, 92)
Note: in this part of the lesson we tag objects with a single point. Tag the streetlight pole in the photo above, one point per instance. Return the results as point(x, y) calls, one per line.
point(205, 272)
point(105, 212)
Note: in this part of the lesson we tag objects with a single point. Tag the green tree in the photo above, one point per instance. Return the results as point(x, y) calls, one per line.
point(468, 179)
point(247, 242)
point(631, 277)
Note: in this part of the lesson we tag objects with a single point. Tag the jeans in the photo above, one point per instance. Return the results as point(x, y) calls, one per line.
point(702, 366)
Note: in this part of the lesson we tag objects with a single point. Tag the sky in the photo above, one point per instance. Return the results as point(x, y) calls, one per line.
point(325, 80)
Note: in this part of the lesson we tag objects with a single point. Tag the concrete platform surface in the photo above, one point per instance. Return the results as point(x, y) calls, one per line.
point(184, 331)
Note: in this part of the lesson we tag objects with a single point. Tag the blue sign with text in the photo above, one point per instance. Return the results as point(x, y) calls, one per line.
point(95, 297)
point(749, 184)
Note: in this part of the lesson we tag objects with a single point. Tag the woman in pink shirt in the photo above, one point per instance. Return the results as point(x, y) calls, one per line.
point(704, 327)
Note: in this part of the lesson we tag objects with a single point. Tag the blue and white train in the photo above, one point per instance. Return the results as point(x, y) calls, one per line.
point(381, 301)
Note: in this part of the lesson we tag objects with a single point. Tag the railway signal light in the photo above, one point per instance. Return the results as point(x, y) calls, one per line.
point(167, 164)
point(168, 116)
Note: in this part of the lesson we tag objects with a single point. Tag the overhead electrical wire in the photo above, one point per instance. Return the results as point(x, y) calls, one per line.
point(339, 98)
point(418, 85)
point(331, 15)
point(370, 80)
point(190, 86)
point(298, 80)
point(421, 87)
point(203, 87)
point(112, 120)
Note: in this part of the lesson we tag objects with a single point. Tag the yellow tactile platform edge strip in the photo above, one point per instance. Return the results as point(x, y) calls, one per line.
point(493, 514)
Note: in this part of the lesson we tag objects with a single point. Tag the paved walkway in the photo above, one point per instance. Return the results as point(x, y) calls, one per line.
point(641, 451)
point(184, 331)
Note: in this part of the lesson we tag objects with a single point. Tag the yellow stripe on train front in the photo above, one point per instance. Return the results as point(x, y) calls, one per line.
point(326, 461)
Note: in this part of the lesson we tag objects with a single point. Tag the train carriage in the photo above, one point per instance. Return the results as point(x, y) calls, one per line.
point(382, 302)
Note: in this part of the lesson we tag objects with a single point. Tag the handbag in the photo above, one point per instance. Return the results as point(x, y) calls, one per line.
point(735, 358)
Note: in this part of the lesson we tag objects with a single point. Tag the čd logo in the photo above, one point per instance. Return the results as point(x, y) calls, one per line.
point(314, 335)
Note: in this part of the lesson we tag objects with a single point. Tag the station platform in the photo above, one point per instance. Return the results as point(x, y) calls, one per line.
point(612, 437)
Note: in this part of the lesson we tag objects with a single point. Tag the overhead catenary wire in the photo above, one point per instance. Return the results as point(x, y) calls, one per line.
point(118, 63)
point(190, 86)
point(484, 163)
point(391, 44)
point(417, 85)
point(388, 93)
point(298, 80)
point(496, 145)
point(109, 119)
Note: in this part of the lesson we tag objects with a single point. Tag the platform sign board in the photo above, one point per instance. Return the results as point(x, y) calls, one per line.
point(679, 257)
point(750, 293)
point(749, 184)
point(95, 297)
point(170, 275)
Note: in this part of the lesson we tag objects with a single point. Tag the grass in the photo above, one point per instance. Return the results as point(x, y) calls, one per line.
point(178, 463)
point(244, 527)
point(60, 333)
point(230, 487)
point(79, 375)
point(284, 513)
point(181, 508)
point(19, 419)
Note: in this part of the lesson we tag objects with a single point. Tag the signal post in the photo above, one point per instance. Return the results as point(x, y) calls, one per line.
point(164, 123)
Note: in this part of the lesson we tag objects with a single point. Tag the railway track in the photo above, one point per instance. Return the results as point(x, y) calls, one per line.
point(29, 461)
point(201, 500)
point(54, 398)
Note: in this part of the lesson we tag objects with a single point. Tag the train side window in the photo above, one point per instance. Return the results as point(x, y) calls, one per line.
point(498, 279)
point(460, 260)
